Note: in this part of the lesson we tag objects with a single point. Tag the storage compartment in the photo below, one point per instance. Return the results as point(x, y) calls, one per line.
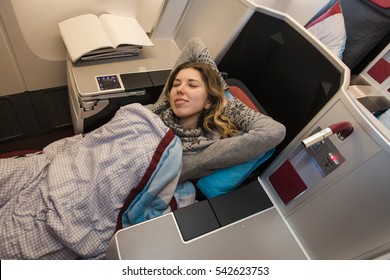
point(52, 108)
point(196, 219)
point(17, 117)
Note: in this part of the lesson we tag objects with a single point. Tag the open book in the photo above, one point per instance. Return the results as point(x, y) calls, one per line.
point(91, 37)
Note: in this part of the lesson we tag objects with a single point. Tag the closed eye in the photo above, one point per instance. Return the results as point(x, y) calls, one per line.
point(176, 83)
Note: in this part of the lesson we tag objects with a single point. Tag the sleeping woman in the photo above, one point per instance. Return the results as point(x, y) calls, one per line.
point(216, 132)
point(67, 202)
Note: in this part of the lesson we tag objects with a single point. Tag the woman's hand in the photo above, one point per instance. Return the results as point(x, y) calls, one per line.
point(225, 101)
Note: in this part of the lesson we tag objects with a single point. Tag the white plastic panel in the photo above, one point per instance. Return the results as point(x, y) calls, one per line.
point(147, 13)
point(351, 218)
point(261, 236)
point(11, 79)
point(345, 215)
point(214, 21)
point(301, 10)
point(169, 18)
point(359, 141)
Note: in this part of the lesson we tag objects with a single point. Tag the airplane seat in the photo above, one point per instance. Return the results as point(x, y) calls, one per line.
point(367, 27)
point(211, 213)
point(240, 91)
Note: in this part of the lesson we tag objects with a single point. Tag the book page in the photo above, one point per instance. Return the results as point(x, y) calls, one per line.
point(125, 31)
point(113, 54)
point(83, 34)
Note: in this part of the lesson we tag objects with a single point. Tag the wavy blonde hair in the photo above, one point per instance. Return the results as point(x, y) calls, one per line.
point(211, 119)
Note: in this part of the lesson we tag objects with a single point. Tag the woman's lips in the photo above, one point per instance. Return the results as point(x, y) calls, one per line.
point(180, 101)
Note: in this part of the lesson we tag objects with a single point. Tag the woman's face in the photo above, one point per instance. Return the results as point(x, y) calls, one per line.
point(189, 97)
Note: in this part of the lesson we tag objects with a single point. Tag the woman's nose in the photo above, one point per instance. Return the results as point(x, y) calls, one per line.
point(180, 90)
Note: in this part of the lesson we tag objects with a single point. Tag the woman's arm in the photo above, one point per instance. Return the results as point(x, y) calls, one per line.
point(260, 134)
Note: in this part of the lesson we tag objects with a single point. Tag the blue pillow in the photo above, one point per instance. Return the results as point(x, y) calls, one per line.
point(227, 179)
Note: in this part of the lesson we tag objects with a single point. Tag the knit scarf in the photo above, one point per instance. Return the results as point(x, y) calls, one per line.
point(193, 139)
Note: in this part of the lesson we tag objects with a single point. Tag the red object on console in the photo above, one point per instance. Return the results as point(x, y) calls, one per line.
point(380, 71)
point(343, 129)
point(287, 183)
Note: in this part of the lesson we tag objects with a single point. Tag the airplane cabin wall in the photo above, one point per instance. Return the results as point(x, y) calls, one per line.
point(218, 20)
point(302, 10)
point(213, 21)
point(33, 88)
point(11, 77)
point(35, 40)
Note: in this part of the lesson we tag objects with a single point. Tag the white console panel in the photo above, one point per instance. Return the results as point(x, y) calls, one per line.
point(261, 236)
point(345, 214)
